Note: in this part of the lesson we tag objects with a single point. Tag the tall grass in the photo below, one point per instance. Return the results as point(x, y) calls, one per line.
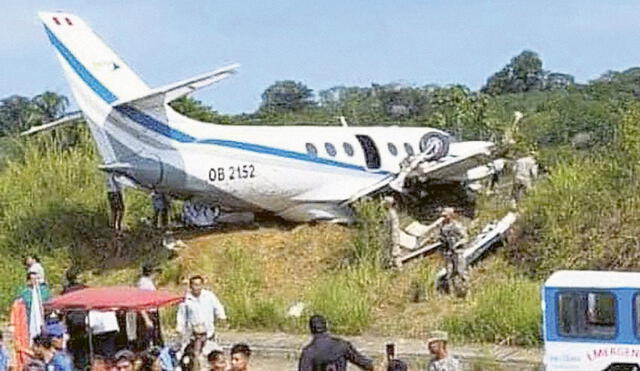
point(506, 312)
point(53, 204)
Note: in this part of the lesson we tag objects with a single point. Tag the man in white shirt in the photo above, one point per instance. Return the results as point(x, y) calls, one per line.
point(200, 306)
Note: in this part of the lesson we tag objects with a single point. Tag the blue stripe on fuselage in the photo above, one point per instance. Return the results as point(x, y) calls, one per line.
point(167, 131)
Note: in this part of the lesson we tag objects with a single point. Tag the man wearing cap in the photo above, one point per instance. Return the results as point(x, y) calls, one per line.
point(328, 353)
point(453, 237)
point(61, 360)
point(441, 361)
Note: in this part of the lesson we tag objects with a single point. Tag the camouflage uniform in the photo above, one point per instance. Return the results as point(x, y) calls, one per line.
point(394, 224)
point(453, 236)
point(445, 364)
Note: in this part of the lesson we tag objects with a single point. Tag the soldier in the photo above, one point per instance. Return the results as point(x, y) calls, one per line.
point(441, 361)
point(453, 236)
point(393, 221)
point(525, 171)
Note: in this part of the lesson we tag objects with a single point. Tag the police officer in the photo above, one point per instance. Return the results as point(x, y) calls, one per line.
point(453, 237)
point(328, 353)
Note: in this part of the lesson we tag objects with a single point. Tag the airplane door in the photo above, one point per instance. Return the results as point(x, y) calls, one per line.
point(371, 154)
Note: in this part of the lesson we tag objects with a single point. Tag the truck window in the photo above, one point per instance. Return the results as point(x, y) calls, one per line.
point(587, 314)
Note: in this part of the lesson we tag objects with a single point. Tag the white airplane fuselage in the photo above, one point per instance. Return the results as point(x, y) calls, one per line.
point(301, 173)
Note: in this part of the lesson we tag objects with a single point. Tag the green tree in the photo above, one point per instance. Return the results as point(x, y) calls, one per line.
point(523, 73)
point(51, 105)
point(286, 96)
point(17, 113)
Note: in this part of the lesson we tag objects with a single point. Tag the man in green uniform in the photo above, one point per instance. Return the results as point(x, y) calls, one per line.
point(453, 236)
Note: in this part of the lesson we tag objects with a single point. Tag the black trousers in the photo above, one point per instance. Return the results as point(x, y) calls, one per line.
point(104, 344)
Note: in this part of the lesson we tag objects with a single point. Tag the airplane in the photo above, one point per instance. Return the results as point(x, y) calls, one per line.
point(300, 173)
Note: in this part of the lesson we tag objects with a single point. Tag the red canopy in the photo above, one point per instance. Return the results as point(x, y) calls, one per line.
point(112, 298)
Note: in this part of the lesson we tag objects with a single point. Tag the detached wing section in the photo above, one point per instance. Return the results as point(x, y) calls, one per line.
point(463, 156)
point(165, 94)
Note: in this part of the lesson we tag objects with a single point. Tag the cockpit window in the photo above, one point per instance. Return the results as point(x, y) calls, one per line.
point(408, 149)
point(331, 150)
point(392, 149)
point(311, 150)
point(587, 314)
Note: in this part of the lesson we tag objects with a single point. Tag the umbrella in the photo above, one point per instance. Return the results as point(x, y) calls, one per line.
point(113, 298)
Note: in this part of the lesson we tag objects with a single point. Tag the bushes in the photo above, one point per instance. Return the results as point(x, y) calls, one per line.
point(584, 216)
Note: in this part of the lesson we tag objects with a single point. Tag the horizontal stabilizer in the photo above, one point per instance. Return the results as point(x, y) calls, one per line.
point(66, 120)
point(171, 92)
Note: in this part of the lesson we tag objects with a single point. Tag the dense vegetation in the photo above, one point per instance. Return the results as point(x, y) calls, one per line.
point(583, 214)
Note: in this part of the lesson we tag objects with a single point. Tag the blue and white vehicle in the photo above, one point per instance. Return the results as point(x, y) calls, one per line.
point(591, 320)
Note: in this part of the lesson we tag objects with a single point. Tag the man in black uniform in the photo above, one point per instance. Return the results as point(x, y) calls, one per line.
point(328, 353)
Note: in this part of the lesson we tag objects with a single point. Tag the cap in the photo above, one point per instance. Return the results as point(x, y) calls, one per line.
point(55, 330)
point(437, 336)
point(124, 354)
point(199, 328)
point(447, 211)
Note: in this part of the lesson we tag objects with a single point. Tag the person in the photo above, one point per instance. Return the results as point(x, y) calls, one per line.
point(194, 356)
point(146, 279)
point(44, 351)
point(160, 203)
point(75, 321)
point(442, 360)
point(525, 171)
point(326, 352)
point(34, 294)
point(240, 356)
point(151, 360)
point(124, 360)
point(217, 361)
point(396, 365)
point(99, 363)
point(104, 327)
point(393, 221)
point(148, 322)
point(6, 363)
point(34, 265)
point(71, 281)
point(453, 237)
point(61, 361)
point(200, 306)
point(116, 203)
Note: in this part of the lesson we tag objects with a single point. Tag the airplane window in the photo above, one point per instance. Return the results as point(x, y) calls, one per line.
point(392, 149)
point(348, 148)
point(311, 150)
point(589, 315)
point(331, 150)
point(408, 148)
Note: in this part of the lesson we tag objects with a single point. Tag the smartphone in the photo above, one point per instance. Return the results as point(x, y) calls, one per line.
point(391, 351)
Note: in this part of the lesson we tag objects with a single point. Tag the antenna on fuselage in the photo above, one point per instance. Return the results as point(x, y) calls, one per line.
point(343, 121)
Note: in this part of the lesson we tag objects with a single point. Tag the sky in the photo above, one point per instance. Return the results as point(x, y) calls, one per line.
point(324, 43)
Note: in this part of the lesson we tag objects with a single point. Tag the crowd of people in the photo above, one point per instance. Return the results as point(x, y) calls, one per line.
point(125, 341)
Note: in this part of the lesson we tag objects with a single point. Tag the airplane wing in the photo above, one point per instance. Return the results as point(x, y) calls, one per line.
point(171, 92)
point(66, 120)
point(463, 156)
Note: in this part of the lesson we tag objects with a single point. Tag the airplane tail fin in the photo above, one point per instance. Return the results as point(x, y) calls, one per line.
point(88, 62)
